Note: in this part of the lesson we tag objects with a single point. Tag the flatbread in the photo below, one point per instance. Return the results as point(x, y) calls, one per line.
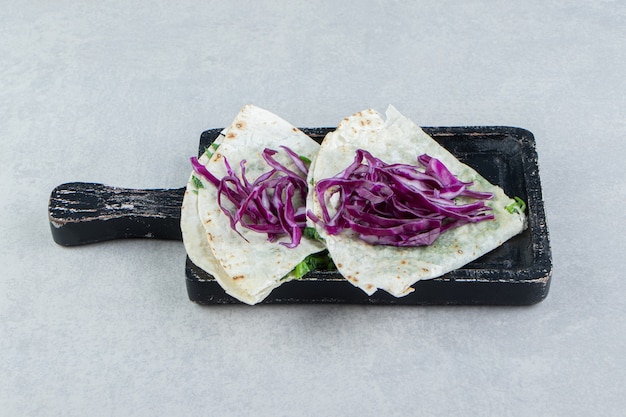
point(251, 266)
point(397, 139)
point(196, 243)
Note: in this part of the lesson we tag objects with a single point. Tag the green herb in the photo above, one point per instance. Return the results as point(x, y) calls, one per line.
point(518, 206)
point(311, 233)
point(301, 269)
point(197, 182)
point(304, 159)
point(320, 261)
point(209, 149)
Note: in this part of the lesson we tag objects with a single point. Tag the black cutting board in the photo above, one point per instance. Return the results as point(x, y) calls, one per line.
point(517, 273)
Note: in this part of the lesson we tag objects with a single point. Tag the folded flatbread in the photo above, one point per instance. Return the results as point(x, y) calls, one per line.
point(243, 262)
point(397, 139)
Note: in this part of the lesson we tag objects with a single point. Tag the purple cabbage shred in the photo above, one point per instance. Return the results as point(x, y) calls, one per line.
point(397, 204)
point(273, 204)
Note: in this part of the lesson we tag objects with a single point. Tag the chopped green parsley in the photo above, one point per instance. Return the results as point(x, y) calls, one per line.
point(210, 149)
point(197, 182)
point(518, 206)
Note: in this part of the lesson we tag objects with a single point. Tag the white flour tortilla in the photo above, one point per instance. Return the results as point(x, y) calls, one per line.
point(248, 270)
point(196, 243)
point(399, 140)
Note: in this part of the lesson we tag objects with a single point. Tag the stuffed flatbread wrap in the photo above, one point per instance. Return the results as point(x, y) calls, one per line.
point(245, 252)
point(400, 250)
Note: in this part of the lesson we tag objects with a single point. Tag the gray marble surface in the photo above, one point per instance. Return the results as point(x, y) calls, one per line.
point(118, 93)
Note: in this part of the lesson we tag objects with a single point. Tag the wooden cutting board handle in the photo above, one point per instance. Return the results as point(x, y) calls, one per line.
point(82, 213)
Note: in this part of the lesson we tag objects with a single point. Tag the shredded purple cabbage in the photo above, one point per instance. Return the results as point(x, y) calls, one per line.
point(274, 203)
point(397, 204)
